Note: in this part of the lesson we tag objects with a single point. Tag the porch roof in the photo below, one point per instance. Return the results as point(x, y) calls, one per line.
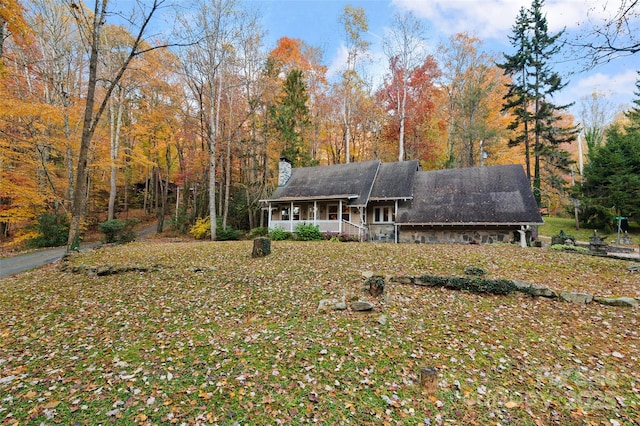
point(351, 181)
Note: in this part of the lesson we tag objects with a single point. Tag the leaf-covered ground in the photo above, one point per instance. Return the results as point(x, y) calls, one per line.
point(212, 336)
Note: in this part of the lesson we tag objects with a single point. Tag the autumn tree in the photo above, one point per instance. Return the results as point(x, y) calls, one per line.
point(12, 22)
point(474, 88)
point(354, 21)
point(530, 95)
point(92, 25)
point(404, 47)
point(419, 94)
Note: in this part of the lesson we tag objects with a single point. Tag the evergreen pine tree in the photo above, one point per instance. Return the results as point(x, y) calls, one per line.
point(290, 116)
point(530, 96)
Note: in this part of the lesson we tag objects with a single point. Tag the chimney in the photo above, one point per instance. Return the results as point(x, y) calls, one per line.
point(284, 171)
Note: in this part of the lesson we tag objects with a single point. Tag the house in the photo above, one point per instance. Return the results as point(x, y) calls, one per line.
point(399, 202)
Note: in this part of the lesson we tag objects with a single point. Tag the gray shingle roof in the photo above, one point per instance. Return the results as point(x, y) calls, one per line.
point(395, 181)
point(477, 195)
point(353, 181)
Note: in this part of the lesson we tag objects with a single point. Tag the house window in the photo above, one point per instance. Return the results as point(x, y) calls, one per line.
point(332, 211)
point(383, 215)
point(296, 212)
point(346, 213)
point(284, 214)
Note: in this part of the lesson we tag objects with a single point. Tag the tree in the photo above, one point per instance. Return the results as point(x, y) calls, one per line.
point(634, 113)
point(596, 113)
point(530, 96)
point(92, 25)
point(404, 47)
point(605, 40)
point(12, 22)
point(420, 117)
point(354, 21)
point(290, 116)
point(474, 88)
point(612, 177)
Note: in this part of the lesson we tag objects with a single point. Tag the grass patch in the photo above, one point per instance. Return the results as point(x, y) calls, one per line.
point(553, 225)
point(213, 336)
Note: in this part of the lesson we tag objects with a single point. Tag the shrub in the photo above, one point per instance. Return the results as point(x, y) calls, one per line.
point(258, 232)
point(279, 234)
point(119, 231)
point(201, 229)
point(181, 221)
point(228, 234)
point(307, 232)
point(53, 230)
point(474, 285)
point(570, 247)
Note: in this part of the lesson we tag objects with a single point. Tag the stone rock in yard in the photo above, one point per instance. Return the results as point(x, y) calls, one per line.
point(382, 319)
point(629, 302)
point(542, 291)
point(367, 274)
point(522, 286)
point(331, 305)
point(361, 305)
point(402, 280)
point(578, 298)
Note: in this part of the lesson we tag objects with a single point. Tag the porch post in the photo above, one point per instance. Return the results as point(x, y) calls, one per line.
point(340, 216)
point(396, 227)
point(269, 217)
point(315, 212)
point(291, 217)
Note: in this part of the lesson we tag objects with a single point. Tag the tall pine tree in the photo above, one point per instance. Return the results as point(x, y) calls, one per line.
point(290, 116)
point(530, 97)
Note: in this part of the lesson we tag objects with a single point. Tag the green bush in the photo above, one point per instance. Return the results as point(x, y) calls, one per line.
point(119, 231)
point(228, 234)
point(181, 221)
point(53, 230)
point(474, 285)
point(307, 232)
point(279, 234)
point(201, 229)
point(258, 232)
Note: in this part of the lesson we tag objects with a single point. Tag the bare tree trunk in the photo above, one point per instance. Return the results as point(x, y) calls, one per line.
point(115, 112)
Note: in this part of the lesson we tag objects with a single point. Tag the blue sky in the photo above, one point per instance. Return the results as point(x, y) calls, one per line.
point(316, 22)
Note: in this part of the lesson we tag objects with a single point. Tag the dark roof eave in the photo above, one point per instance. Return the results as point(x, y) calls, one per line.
point(315, 198)
point(390, 198)
point(470, 223)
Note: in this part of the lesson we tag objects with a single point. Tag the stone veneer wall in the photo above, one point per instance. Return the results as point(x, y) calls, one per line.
point(454, 236)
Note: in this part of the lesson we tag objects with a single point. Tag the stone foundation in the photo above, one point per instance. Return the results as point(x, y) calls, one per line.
point(455, 236)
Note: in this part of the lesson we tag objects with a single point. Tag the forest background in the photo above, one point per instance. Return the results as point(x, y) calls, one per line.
point(107, 108)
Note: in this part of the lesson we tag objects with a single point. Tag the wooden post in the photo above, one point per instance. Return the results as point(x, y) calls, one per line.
point(429, 380)
point(261, 247)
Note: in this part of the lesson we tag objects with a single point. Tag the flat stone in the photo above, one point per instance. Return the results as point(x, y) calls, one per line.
point(578, 298)
point(403, 280)
point(367, 274)
point(382, 319)
point(424, 282)
point(361, 305)
point(522, 286)
point(328, 305)
point(628, 302)
point(542, 291)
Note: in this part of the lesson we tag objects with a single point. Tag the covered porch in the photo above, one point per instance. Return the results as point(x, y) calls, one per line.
point(334, 216)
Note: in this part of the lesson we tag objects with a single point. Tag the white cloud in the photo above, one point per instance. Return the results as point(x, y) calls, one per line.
point(619, 86)
point(493, 19)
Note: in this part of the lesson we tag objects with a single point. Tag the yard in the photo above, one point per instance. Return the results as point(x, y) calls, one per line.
point(201, 333)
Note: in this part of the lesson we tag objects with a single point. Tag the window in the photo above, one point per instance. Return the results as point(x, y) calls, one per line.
point(346, 213)
point(296, 212)
point(383, 215)
point(284, 214)
point(332, 211)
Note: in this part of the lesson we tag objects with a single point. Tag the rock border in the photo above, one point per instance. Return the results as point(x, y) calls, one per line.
point(536, 290)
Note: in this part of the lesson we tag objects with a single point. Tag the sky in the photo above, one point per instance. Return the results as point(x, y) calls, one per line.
point(317, 23)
